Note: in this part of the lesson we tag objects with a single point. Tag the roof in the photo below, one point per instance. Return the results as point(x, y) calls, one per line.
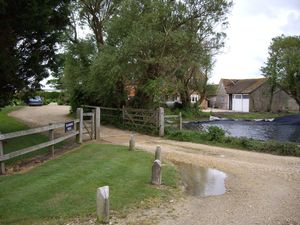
point(242, 86)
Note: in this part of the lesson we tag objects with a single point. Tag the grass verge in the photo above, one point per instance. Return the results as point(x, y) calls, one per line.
point(216, 136)
point(65, 188)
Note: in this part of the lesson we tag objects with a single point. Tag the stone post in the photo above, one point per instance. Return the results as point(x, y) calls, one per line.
point(158, 153)
point(156, 172)
point(102, 201)
point(132, 143)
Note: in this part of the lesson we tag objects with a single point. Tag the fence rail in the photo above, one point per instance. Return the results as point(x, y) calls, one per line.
point(75, 130)
point(173, 120)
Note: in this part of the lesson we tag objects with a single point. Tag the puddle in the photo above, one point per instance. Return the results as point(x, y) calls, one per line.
point(201, 181)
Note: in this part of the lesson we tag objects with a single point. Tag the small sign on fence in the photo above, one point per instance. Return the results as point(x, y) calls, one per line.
point(69, 126)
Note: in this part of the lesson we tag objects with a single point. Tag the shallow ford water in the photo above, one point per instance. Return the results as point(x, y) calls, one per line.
point(201, 181)
point(255, 130)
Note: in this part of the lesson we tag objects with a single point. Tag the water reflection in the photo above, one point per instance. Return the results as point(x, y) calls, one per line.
point(201, 181)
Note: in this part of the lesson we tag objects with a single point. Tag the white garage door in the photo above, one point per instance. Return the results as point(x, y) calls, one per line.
point(240, 103)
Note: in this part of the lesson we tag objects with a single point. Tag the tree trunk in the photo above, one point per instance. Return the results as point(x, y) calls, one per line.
point(185, 99)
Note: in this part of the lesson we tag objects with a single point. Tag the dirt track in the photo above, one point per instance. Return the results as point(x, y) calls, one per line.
point(261, 188)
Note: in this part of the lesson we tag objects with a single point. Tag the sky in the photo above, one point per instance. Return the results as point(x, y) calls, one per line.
point(252, 25)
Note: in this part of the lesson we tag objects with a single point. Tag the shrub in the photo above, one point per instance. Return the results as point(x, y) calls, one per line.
point(215, 133)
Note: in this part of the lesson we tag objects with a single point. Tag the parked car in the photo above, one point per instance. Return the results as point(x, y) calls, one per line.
point(35, 101)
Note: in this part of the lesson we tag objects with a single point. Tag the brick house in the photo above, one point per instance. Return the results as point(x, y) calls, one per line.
point(252, 95)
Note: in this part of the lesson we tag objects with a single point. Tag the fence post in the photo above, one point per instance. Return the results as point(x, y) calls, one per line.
point(79, 115)
point(180, 121)
point(161, 121)
point(93, 135)
point(2, 164)
point(123, 112)
point(51, 137)
point(132, 143)
point(98, 114)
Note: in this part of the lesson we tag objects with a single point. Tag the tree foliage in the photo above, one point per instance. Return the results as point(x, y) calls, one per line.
point(283, 65)
point(30, 31)
point(158, 46)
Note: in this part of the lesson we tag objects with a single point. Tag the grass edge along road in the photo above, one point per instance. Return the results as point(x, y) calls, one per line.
point(65, 188)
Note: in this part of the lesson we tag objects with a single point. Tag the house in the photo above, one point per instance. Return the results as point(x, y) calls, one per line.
point(252, 95)
point(194, 98)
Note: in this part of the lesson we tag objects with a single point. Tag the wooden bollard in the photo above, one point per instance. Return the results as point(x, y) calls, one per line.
point(102, 201)
point(158, 153)
point(156, 172)
point(132, 143)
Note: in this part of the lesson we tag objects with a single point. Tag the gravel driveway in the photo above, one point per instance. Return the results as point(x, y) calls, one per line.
point(261, 188)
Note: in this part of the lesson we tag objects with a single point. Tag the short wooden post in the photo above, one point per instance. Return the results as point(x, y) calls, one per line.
point(132, 143)
point(180, 121)
point(2, 164)
point(161, 121)
point(156, 172)
point(102, 201)
point(51, 138)
point(158, 153)
point(79, 115)
point(98, 114)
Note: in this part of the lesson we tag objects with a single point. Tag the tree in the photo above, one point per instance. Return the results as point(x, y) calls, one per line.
point(283, 66)
point(77, 65)
point(161, 45)
point(30, 31)
point(95, 13)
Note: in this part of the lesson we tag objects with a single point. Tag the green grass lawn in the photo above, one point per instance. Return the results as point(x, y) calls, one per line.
point(65, 188)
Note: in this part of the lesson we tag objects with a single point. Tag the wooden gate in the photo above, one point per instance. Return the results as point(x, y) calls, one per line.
point(140, 117)
point(89, 124)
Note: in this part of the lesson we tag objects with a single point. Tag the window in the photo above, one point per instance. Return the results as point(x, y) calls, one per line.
point(245, 96)
point(237, 96)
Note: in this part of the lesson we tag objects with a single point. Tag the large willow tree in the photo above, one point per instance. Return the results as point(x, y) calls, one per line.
point(157, 46)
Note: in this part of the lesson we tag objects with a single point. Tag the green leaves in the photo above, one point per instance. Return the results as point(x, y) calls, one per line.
point(283, 64)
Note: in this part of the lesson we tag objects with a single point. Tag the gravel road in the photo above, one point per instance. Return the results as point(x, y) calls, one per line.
point(260, 188)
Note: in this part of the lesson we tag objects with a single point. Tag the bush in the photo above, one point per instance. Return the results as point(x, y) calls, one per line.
point(215, 133)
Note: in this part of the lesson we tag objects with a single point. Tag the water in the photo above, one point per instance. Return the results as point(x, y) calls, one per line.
point(201, 181)
point(255, 130)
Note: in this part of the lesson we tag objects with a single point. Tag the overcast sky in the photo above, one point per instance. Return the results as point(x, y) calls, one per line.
point(252, 25)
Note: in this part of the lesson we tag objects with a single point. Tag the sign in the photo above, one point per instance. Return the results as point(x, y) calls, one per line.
point(69, 126)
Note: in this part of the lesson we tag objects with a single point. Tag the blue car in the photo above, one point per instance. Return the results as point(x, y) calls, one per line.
point(35, 101)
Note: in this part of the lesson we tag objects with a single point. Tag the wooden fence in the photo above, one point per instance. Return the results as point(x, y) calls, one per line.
point(174, 121)
point(137, 118)
point(72, 128)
